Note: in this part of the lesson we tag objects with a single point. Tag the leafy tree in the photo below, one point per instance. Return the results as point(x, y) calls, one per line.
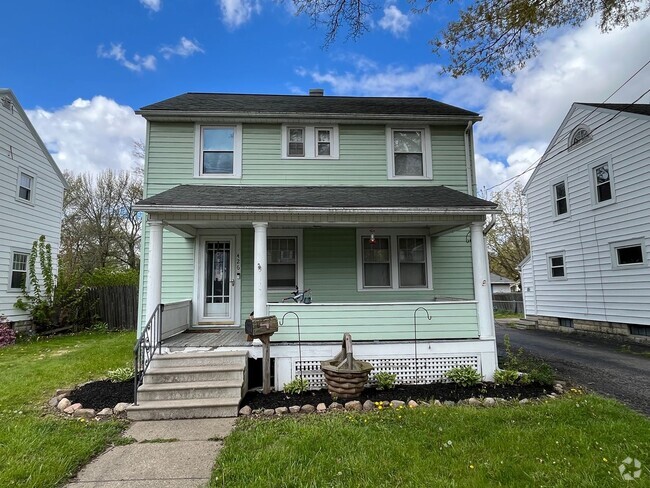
point(100, 227)
point(490, 36)
point(508, 242)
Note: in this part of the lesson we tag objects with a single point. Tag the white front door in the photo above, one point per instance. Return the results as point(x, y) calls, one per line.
point(219, 297)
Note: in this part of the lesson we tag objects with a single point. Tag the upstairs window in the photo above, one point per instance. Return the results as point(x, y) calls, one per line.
point(602, 183)
point(323, 142)
point(25, 187)
point(219, 151)
point(310, 142)
point(296, 142)
point(560, 196)
point(409, 153)
point(18, 277)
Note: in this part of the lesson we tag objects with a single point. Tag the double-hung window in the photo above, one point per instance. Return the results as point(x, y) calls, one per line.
point(556, 269)
point(393, 260)
point(282, 260)
point(560, 198)
point(18, 277)
point(602, 182)
point(409, 153)
point(219, 151)
point(25, 187)
point(296, 146)
point(323, 142)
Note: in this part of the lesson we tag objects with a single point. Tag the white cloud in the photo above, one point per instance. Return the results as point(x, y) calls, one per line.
point(521, 112)
point(90, 135)
point(137, 63)
point(153, 5)
point(185, 47)
point(395, 21)
point(237, 12)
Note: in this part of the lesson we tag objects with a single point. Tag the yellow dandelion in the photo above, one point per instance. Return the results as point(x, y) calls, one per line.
point(471, 466)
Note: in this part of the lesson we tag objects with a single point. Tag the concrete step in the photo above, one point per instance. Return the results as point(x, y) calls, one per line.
point(526, 324)
point(191, 390)
point(186, 374)
point(184, 409)
point(213, 358)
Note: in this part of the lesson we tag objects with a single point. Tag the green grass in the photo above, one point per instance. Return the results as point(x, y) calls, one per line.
point(501, 314)
point(37, 448)
point(578, 441)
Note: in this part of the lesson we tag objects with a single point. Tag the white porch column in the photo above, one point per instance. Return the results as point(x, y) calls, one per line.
point(154, 266)
point(482, 287)
point(260, 295)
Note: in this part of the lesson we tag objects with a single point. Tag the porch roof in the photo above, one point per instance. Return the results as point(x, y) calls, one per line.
point(398, 199)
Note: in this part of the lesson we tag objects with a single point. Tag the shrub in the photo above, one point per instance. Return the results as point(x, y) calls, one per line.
point(121, 374)
point(113, 277)
point(464, 376)
point(385, 380)
point(296, 386)
point(7, 334)
point(506, 376)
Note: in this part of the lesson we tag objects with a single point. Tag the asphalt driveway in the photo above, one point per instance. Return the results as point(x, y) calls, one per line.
point(597, 364)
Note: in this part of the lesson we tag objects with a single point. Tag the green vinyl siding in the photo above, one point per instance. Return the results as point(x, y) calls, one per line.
point(362, 159)
point(371, 322)
point(330, 269)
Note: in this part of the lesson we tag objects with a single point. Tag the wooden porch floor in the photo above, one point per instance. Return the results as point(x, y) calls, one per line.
point(211, 338)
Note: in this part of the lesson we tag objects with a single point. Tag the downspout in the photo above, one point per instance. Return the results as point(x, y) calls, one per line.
point(488, 228)
point(469, 159)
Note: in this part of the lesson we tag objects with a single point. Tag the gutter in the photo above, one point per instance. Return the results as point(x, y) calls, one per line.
point(492, 223)
point(319, 211)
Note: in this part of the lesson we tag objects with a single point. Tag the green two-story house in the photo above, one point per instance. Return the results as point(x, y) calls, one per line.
point(369, 203)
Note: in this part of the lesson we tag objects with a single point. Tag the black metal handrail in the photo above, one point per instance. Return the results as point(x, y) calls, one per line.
point(145, 347)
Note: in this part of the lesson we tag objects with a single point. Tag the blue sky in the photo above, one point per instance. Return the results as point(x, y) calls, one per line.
point(80, 68)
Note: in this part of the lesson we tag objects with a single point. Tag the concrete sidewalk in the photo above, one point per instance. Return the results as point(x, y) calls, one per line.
point(166, 454)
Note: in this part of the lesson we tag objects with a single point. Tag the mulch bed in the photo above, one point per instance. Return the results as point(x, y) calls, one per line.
point(438, 391)
point(103, 394)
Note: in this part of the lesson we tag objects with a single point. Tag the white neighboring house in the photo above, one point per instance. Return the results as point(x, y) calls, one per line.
point(589, 214)
point(31, 200)
point(501, 284)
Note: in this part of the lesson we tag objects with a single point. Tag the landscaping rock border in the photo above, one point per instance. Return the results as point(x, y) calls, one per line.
point(559, 387)
point(62, 405)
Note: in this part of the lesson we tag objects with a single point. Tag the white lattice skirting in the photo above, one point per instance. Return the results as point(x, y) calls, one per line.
point(434, 360)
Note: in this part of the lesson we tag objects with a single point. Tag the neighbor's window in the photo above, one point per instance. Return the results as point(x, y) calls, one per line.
point(323, 142)
point(296, 145)
point(629, 255)
point(376, 262)
point(408, 152)
point(218, 150)
point(556, 266)
point(18, 270)
point(602, 182)
point(561, 202)
point(25, 187)
point(412, 262)
point(282, 262)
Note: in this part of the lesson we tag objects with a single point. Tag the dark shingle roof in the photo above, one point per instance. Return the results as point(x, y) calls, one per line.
point(431, 197)
point(214, 103)
point(635, 108)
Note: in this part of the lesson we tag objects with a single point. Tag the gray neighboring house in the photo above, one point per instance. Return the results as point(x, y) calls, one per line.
point(589, 214)
point(31, 200)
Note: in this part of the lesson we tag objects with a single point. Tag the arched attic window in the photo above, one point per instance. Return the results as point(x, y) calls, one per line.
point(579, 135)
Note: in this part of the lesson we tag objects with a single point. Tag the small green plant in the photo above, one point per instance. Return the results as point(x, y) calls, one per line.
point(296, 386)
point(536, 370)
point(385, 380)
point(506, 376)
point(464, 376)
point(121, 374)
point(99, 327)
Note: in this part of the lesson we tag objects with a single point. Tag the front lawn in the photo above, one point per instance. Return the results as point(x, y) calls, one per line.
point(39, 449)
point(579, 440)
